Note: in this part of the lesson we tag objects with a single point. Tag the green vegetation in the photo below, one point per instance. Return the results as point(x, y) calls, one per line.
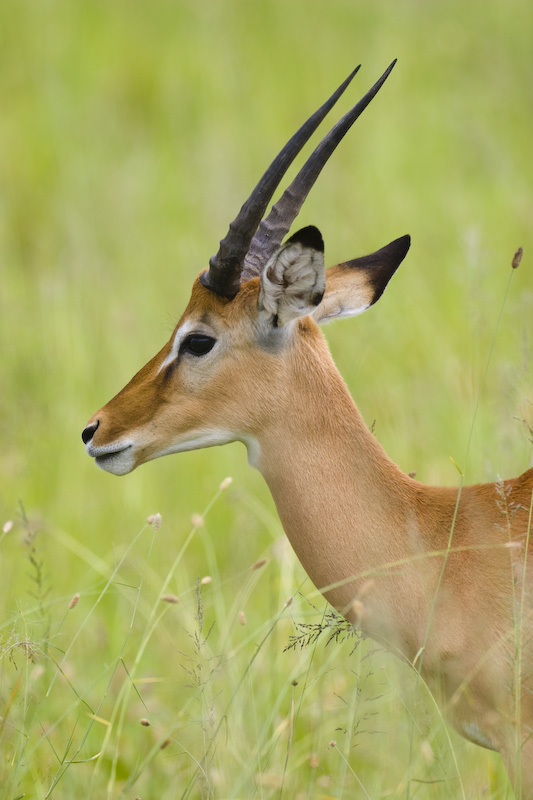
point(129, 135)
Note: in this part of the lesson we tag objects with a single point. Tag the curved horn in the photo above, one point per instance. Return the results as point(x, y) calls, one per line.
point(223, 276)
point(274, 228)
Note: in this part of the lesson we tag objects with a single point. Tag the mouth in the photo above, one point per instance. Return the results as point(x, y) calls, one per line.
point(118, 459)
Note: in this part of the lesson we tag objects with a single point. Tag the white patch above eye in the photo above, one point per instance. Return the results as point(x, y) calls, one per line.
point(292, 282)
point(179, 338)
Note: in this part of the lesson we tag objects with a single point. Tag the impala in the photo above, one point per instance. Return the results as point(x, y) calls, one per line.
point(439, 575)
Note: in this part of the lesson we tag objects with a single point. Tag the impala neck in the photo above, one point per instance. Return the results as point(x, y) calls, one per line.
point(346, 508)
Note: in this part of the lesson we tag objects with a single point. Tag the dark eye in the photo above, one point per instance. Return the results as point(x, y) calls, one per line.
point(197, 344)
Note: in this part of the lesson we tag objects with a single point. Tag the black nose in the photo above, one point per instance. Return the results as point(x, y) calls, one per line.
point(89, 431)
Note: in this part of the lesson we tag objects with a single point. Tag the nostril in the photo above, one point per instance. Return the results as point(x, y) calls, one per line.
point(89, 431)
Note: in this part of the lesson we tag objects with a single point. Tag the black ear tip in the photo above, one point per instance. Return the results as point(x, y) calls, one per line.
point(309, 237)
point(400, 247)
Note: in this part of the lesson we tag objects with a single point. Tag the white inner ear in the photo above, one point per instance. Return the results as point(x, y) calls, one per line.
point(348, 292)
point(292, 283)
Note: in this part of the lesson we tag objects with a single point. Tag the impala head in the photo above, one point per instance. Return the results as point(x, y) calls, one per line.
point(230, 363)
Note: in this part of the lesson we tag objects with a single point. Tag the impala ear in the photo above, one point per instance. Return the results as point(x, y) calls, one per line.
point(354, 286)
point(293, 280)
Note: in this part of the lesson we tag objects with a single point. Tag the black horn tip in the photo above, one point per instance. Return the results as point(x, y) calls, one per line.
point(309, 237)
point(379, 83)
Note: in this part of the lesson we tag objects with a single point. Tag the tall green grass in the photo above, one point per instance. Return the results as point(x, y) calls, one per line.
point(130, 133)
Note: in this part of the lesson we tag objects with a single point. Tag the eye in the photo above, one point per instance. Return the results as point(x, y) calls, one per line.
point(197, 344)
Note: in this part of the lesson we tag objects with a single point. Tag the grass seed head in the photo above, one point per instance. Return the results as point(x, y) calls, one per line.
point(427, 752)
point(155, 521)
point(358, 609)
point(8, 526)
point(170, 598)
point(37, 672)
point(145, 722)
point(513, 545)
point(517, 258)
point(206, 579)
point(74, 602)
point(259, 564)
point(242, 618)
point(226, 483)
point(197, 521)
point(313, 761)
point(367, 587)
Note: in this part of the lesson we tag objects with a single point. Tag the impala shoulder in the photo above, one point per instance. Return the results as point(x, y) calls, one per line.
point(518, 493)
point(525, 480)
point(517, 489)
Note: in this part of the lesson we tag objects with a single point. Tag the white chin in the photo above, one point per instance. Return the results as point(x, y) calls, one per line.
point(117, 463)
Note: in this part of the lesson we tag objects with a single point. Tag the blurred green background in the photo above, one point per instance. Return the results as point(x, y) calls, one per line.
point(130, 134)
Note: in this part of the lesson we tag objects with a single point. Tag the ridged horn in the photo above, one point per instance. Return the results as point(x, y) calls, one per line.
point(224, 274)
point(275, 227)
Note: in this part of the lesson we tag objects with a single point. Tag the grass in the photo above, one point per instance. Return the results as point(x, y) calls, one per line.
point(130, 134)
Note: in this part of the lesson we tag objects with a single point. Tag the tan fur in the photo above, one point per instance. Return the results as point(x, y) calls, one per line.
point(372, 539)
